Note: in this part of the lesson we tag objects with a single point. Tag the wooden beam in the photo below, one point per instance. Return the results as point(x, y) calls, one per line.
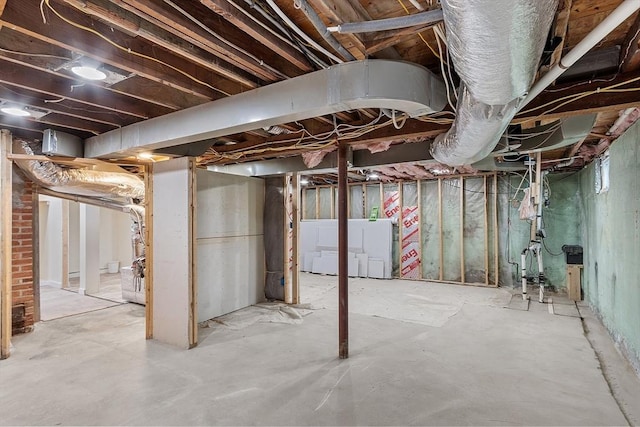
point(462, 263)
point(338, 12)
point(560, 30)
point(57, 86)
point(236, 13)
point(165, 32)
point(25, 18)
point(295, 240)
point(148, 250)
point(386, 39)
point(485, 212)
point(495, 228)
point(6, 220)
point(630, 49)
point(440, 234)
point(211, 33)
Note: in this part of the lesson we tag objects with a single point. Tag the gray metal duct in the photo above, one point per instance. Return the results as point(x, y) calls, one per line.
point(402, 86)
point(495, 46)
point(83, 182)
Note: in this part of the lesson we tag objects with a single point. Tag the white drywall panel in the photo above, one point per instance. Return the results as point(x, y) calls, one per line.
point(89, 249)
point(226, 279)
point(172, 240)
point(230, 245)
point(373, 238)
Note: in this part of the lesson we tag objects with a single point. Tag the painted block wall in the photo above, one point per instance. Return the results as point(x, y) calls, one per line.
point(611, 228)
point(230, 243)
point(561, 221)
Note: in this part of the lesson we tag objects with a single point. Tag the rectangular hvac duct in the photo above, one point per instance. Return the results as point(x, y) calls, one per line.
point(56, 143)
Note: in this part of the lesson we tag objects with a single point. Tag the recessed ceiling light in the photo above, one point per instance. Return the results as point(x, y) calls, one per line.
point(15, 111)
point(88, 73)
point(145, 155)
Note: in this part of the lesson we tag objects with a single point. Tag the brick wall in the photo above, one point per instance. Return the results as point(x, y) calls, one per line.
point(22, 256)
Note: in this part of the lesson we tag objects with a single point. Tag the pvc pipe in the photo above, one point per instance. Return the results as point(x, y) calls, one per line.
point(301, 33)
point(541, 279)
point(523, 273)
point(416, 5)
point(422, 18)
point(619, 15)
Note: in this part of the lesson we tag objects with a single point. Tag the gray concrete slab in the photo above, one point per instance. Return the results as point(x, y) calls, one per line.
point(421, 354)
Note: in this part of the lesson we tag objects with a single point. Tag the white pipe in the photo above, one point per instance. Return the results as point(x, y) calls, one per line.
point(523, 273)
point(416, 5)
point(615, 18)
point(541, 282)
point(301, 33)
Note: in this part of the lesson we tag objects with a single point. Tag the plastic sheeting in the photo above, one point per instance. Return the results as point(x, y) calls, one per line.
point(274, 238)
point(373, 200)
point(357, 202)
point(309, 196)
point(474, 230)
point(84, 182)
point(430, 230)
point(325, 202)
point(451, 229)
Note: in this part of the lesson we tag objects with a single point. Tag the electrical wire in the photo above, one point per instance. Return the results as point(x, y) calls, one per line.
point(419, 34)
point(129, 51)
point(38, 55)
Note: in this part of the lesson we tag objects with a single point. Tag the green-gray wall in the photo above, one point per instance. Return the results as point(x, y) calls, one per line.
point(611, 235)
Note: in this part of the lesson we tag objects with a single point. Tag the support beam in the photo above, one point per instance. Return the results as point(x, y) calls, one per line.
point(343, 258)
point(6, 214)
point(148, 250)
point(630, 51)
point(295, 241)
point(64, 281)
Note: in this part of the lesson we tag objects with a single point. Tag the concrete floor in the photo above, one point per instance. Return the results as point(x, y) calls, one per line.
point(421, 354)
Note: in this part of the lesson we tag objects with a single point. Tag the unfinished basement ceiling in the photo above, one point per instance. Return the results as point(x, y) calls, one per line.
point(164, 56)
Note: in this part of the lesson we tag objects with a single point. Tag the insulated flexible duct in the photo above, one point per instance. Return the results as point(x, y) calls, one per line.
point(83, 182)
point(495, 46)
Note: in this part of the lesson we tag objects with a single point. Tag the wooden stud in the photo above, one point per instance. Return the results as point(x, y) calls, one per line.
point(6, 216)
point(193, 278)
point(295, 270)
point(462, 273)
point(364, 201)
point(317, 203)
point(65, 244)
point(400, 230)
point(419, 184)
point(332, 195)
point(287, 239)
point(441, 268)
point(486, 233)
point(303, 203)
point(148, 248)
point(495, 227)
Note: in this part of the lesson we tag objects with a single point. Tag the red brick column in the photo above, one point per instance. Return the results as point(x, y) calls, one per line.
point(22, 257)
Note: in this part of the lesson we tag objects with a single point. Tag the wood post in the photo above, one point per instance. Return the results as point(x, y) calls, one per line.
point(6, 214)
point(295, 226)
point(462, 273)
point(441, 248)
point(65, 244)
point(148, 250)
point(486, 232)
point(343, 259)
point(495, 227)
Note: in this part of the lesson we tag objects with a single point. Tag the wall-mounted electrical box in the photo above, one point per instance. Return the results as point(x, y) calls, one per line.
point(55, 143)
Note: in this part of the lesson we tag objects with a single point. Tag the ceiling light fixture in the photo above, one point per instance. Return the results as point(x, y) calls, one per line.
point(373, 176)
point(89, 73)
point(145, 155)
point(15, 111)
point(304, 181)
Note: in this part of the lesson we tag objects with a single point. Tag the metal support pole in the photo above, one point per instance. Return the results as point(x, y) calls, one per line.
point(343, 260)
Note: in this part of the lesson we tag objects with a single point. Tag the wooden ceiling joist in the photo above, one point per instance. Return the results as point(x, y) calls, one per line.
point(236, 13)
point(19, 17)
